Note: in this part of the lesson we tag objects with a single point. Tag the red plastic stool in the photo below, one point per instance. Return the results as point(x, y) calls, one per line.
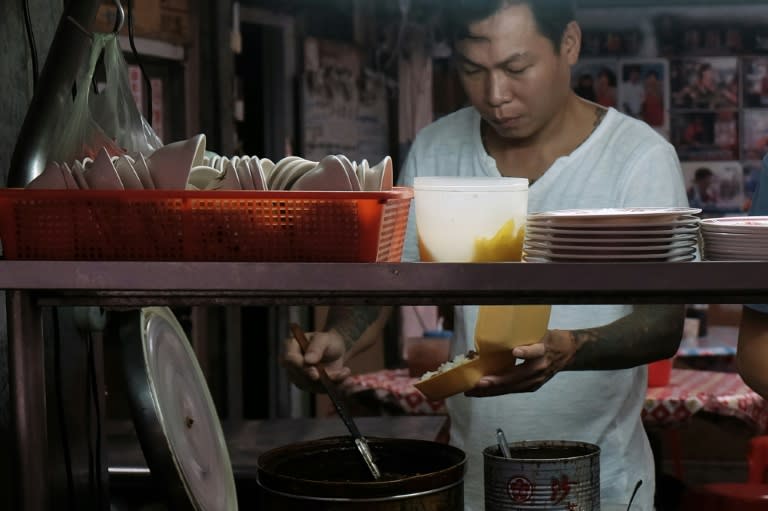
point(758, 459)
point(749, 496)
point(727, 497)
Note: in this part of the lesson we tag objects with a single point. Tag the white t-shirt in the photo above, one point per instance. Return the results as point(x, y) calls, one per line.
point(623, 163)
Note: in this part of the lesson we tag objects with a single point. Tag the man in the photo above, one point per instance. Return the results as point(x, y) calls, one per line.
point(752, 351)
point(514, 60)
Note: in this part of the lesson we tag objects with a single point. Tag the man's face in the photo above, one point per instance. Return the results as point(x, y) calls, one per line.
point(512, 74)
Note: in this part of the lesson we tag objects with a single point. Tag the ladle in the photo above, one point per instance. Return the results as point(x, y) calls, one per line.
point(360, 442)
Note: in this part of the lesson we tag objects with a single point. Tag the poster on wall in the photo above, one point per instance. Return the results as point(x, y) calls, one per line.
point(595, 80)
point(706, 135)
point(716, 187)
point(754, 77)
point(342, 113)
point(644, 91)
point(706, 83)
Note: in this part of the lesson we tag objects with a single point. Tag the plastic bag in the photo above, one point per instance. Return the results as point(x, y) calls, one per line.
point(108, 119)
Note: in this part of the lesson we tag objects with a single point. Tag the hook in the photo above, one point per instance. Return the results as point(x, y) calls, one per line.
point(119, 16)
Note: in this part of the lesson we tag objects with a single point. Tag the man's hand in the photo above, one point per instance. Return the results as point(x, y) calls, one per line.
point(540, 362)
point(325, 348)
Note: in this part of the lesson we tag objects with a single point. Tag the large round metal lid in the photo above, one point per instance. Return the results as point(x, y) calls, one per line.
point(176, 417)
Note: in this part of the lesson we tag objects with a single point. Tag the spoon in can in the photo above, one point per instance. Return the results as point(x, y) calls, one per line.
point(503, 445)
point(360, 442)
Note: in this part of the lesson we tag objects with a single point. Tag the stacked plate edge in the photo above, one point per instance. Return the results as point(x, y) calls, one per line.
point(640, 234)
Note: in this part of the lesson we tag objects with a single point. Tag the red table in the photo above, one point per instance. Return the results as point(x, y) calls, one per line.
point(688, 392)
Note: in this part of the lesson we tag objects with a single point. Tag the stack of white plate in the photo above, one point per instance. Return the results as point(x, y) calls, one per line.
point(742, 238)
point(612, 234)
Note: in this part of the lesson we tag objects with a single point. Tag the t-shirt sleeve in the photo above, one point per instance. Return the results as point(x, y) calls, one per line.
point(654, 179)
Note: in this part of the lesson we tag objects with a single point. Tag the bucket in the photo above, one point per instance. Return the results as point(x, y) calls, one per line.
point(329, 474)
point(551, 475)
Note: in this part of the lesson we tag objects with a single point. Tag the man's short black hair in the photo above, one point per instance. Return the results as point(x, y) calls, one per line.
point(551, 16)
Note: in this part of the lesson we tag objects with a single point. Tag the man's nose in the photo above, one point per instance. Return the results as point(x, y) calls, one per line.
point(499, 91)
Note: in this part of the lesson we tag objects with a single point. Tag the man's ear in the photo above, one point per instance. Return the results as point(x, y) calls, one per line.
point(570, 44)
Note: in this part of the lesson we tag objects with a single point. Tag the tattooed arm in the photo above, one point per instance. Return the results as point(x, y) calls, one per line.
point(349, 331)
point(357, 326)
point(650, 332)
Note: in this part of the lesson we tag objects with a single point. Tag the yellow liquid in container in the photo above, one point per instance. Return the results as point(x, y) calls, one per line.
point(505, 245)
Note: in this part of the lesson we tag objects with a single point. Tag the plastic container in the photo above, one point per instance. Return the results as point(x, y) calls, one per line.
point(659, 373)
point(158, 225)
point(468, 219)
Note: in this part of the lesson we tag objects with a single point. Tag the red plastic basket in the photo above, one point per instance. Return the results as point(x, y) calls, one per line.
point(159, 225)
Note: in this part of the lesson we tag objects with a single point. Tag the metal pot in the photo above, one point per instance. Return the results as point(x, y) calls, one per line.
point(329, 474)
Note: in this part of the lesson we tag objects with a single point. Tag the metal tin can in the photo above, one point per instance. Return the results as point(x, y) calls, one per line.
point(551, 475)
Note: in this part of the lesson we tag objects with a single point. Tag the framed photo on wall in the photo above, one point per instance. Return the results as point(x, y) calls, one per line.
point(644, 91)
point(706, 135)
point(754, 79)
point(595, 80)
point(706, 83)
point(755, 134)
point(716, 187)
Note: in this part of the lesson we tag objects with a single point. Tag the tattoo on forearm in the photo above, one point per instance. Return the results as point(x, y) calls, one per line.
point(351, 321)
point(650, 333)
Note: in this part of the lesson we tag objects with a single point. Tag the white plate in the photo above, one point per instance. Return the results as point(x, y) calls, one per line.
point(639, 249)
point(675, 259)
point(351, 172)
point(278, 170)
point(635, 233)
point(737, 244)
point(257, 173)
point(627, 223)
point(754, 235)
point(102, 174)
point(328, 175)
point(717, 256)
point(736, 225)
point(615, 215)
point(290, 173)
point(547, 254)
point(586, 240)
